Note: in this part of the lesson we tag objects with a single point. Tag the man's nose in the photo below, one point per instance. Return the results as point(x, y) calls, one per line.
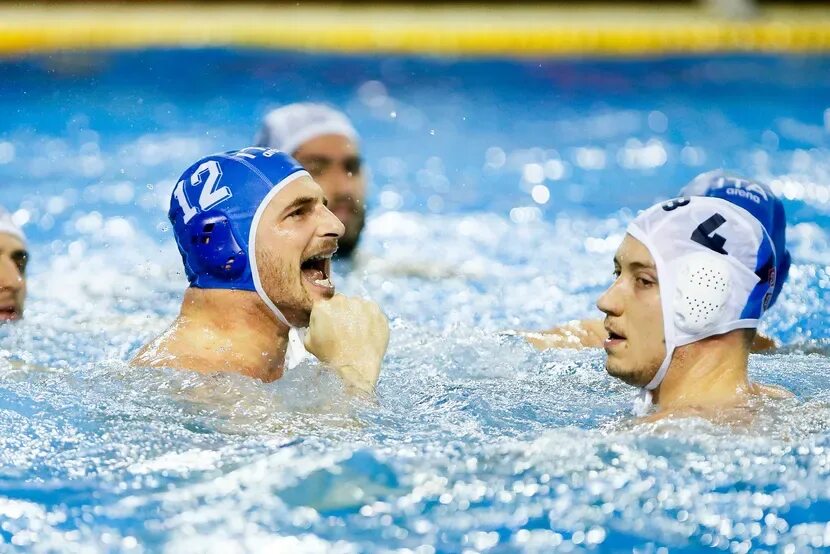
point(331, 225)
point(10, 277)
point(609, 301)
point(342, 181)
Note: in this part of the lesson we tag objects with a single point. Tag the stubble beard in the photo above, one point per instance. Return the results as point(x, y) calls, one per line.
point(284, 286)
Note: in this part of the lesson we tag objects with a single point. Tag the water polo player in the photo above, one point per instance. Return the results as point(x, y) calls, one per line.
point(754, 196)
point(324, 141)
point(256, 240)
point(694, 276)
point(13, 259)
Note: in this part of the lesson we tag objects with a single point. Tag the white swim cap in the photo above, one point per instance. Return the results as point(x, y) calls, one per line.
point(716, 266)
point(7, 225)
point(288, 127)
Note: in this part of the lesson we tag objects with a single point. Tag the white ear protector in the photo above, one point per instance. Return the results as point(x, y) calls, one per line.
point(706, 251)
point(703, 286)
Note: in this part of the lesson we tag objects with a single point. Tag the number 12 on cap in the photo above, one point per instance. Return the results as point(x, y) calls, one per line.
point(210, 196)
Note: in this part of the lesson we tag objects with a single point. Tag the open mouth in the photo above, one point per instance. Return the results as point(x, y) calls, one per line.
point(9, 313)
point(316, 270)
point(614, 338)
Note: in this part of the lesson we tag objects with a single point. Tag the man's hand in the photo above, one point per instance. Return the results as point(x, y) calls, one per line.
point(351, 336)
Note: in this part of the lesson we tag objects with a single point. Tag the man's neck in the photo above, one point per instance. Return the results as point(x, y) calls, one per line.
point(235, 331)
point(708, 373)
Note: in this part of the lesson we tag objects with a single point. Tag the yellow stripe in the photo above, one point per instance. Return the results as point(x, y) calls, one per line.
point(464, 31)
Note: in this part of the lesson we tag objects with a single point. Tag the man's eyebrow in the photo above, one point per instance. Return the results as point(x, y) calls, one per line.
point(299, 202)
point(642, 265)
point(314, 158)
point(15, 251)
point(634, 265)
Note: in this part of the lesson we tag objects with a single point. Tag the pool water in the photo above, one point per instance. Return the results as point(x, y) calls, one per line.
point(500, 190)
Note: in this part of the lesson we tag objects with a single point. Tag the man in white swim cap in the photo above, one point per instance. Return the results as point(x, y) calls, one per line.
point(694, 275)
point(256, 241)
point(13, 260)
point(768, 209)
point(324, 141)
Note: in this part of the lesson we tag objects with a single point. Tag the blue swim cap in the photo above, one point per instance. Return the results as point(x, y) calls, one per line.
point(759, 200)
point(215, 208)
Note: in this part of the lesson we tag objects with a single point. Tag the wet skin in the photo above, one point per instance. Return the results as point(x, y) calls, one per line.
point(633, 316)
point(13, 260)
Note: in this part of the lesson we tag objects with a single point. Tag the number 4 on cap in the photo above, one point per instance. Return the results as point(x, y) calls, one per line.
point(704, 234)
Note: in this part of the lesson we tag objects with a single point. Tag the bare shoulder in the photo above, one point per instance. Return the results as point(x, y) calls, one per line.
point(738, 416)
point(155, 353)
point(162, 351)
point(587, 333)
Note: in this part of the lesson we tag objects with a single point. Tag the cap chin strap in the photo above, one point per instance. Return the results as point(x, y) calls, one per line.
point(696, 294)
point(644, 400)
point(295, 351)
point(703, 286)
point(642, 403)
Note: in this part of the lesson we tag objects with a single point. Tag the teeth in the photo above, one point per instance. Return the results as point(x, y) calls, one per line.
point(324, 283)
point(318, 258)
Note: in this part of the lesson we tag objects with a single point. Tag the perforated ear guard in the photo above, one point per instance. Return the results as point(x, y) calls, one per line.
point(216, 248)
point(704, 283)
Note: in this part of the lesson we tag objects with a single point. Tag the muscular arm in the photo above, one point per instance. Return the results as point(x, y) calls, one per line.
point(590, 333)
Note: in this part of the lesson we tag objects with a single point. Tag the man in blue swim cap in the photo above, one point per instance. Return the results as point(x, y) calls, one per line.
point(324, 141)
point(13, 260)
point(756, 197)
point(694, 276)
point(256, 239)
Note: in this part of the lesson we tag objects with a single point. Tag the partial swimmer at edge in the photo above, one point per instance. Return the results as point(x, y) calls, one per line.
point(256, 240)
point(13, 261)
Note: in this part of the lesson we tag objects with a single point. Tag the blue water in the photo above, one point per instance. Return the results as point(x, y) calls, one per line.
point(500, 190)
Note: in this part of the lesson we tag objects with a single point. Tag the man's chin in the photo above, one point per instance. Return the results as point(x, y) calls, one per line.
point(624, 372)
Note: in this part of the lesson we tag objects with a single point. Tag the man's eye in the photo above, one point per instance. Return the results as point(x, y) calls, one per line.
point(303, 210)
point(616, 274)
point(21, 260)
point(315, 166)
point(315, 169)
point(353, 165)
point(644, 282)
